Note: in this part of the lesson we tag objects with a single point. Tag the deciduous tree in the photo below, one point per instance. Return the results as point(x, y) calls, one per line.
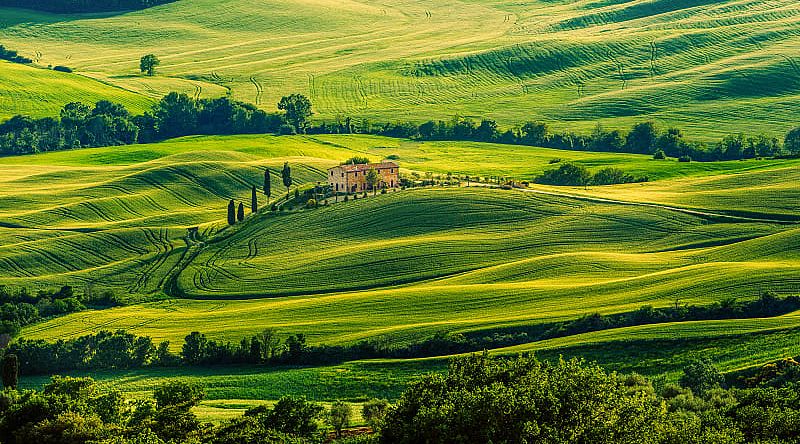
point(298, 110)
point(148, 64)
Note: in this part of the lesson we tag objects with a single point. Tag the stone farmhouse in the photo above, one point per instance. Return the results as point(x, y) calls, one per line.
point(353, 178)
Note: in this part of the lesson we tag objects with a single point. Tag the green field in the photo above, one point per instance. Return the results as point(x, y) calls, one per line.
point(712, 67)
point(41, 92)
point(403, 266)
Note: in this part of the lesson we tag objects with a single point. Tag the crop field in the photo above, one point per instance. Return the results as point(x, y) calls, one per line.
point(82, 216)
point(42, 93)
point(711, 67)
point(403, 266)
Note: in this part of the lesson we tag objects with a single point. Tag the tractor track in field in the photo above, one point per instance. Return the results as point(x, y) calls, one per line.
point(689, 211)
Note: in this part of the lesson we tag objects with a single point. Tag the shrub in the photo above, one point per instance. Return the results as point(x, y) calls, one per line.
point(567, 174)
point(554, 161)
point(286, 130)
point(612, 176)
point(61, 68)
point(659, 155)
point(339, 416)
point(356, 160)
point(374, 411)
point(294, 415)
point(311, 203)
point(701, 376)
point(684, 159)
point(383, 190)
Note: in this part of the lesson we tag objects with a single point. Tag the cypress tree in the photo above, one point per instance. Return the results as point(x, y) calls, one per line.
point(286, 174)
point(254, 201)
point(10, 371)
point(267, 185)
point(240, 213)
point(231, 212)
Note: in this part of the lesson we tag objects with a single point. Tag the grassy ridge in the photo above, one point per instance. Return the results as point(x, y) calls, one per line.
point(403, 266)
point(42, 93)
point(708, 66)
point(547, 258)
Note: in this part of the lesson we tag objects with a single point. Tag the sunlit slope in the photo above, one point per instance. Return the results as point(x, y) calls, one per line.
point(467, 260)
point(41, 92)
point(122, 226)
point(771, 192)
point(709, 66)
point(109, 216)
point(418, 235)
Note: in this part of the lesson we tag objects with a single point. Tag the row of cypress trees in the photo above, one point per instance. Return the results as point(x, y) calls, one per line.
point(236, 213)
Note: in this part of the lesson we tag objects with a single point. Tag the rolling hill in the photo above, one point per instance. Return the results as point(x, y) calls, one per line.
point(42, 93)
point(709, 66)
point(404, 266)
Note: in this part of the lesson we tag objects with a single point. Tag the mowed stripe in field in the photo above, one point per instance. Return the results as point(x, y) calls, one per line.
point(617, 268)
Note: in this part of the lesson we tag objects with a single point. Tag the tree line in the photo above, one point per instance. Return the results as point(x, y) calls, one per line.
point(110, 124)
point(21, 307)
point(176, 115)
point(479, 399)
point(77, 6)
point(124, 350)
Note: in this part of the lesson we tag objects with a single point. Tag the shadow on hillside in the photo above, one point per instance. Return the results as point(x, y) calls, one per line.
point(16, 17)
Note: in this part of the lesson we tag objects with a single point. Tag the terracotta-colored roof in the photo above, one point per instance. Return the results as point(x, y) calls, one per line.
point(366, 166)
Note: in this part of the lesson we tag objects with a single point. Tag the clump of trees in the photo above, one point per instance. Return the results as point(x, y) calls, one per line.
point(483, 399)
point(110, 350)
point(571, 174)
point(479, 399)
point(110, 124)
point(73, 6)
point(21, 307)
point(12, 56)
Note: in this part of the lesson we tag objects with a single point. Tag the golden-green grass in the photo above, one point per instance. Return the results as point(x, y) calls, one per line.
point(108, 216)
point(41, 92)
point(712, 67)
point(398, 267)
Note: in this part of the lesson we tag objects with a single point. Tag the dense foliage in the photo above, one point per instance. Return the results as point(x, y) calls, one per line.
point(644, 138)
point(480, 399)
point(12, 56)
point(20, 307)
point(109, 124)
point(180, 115)
point(72, 6)
point(578, 175)
point(523, 400)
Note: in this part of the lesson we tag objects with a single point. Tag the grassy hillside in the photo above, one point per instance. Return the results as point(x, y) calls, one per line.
point(85, 216)
point(42, 93)
point(403, 266)
point(710, 66)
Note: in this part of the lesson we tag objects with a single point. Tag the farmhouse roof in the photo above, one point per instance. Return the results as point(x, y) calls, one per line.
point(366, 166)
